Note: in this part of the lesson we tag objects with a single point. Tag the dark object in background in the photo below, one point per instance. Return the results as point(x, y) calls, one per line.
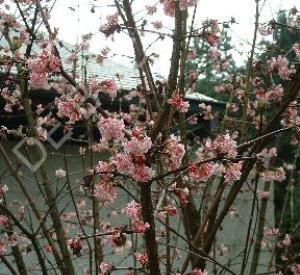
point(44, 97)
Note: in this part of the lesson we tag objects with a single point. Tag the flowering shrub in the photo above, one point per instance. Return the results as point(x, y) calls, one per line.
point(181, 190)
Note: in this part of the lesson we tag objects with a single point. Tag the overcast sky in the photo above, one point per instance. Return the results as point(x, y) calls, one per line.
point(72, 24)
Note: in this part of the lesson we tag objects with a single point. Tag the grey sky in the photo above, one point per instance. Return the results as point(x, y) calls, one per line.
point(72, 24)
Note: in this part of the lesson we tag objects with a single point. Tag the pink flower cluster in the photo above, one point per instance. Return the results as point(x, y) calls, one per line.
point(111, 129)
point(76, 245)
point(233, 171)
point(134, 212)
point(3, 248)
point(105, 267)
point(69, 109)
point(267, 154)
point(178, 103)
point(206, 111)
point(105, 192)
point(275, 93)
point(222, 146)
point(273, 175)
point(170, 210)
point(201, 172)
point(132, 161)
point(4, 220)
point(173, 152)
point(170, 5)
point(111, 25)
point(197, 271)
point(46, 62)
point(133, 166)
point(12, 99)
point(296, 49)
point(181, 193)
point(142, 258)
point(290, 116)
point(281, 65)
point(286, 242)
point(139, 144)
point(110, 87)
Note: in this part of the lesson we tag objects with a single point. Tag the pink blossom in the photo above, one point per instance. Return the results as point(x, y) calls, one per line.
point(69, 109)
point(13, 239)
point(170, 5)
point(181, 193)
point(290, 115)
point(296, 49)
point(142, 173)
point(3, 190)
point(171, 210)
point(287, 240)
point(260, 93)
point(201, 172)
point(233, 171)
point(174, 152)
point(117, 239)
point(220, 88)
point(151, 9)
point(93, 85)
point(138, 145)
point(275, 94)
point(111, 26)
point(139, 226)
point(263, 194)
point(105, 192)
point(3, 248)
point(123, 163)
point(281, 65)
point(111, 129)
point(133, 165)
point(295, 268)
point(214, 53)
point(225, 145)
point(178, 103)
point(157, 24)
point(47, 248)
point(104, 267)
point(265, 30)
point(273, 175)
point(193, 120)
point(110, 87)
point(269, 232)
point(197, 271)
point(46, 62)
point(206, 111)
point(12, 99)
point(4, 220)
point(192, 76)
point(232, 107)
point(76, 245)
point(103, 167)
point(142, 258)
point(133, 210)
point(211, 39)
point(267, 155)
